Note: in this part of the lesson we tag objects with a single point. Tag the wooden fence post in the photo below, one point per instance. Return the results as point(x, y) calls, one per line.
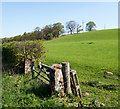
point(77, 86)
point(66, 77)
point(73, 81)
point(52, 81)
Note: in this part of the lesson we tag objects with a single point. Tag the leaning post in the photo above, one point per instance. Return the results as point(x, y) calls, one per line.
point(66, 77)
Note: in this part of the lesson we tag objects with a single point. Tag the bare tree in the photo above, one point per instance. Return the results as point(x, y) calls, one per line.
point(71, 26)
point(78, 28)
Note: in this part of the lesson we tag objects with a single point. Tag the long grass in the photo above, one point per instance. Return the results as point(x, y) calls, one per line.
point(23, 91)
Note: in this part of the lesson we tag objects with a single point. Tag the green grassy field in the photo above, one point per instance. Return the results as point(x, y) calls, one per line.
point(76, 49)
point(90, 54)
point(23, 91)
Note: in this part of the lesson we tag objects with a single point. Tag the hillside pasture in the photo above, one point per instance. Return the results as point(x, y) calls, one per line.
point(90, 54)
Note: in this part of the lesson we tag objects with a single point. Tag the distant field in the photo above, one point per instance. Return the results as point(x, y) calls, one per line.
point(90, 54)
point(88, 51)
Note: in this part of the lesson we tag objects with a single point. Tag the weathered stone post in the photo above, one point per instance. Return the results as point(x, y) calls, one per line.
point(56, 80)
point(66, 77)
point(27, 67)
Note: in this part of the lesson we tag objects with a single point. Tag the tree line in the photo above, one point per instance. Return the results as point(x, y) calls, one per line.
point(16, 49)
point(51, 31)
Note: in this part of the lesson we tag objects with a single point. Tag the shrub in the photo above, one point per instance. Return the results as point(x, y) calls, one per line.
point(50, 36)
point(14, 53)
point(8, 56)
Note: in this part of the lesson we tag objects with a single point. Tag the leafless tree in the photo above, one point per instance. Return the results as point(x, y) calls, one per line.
point(71, 26)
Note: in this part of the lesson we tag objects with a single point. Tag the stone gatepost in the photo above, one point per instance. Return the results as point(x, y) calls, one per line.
point(56, 80)
point(27, 67)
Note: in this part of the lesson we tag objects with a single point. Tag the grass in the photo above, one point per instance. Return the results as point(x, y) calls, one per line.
point(22, 91)
point(102, 53)
point(90, 54)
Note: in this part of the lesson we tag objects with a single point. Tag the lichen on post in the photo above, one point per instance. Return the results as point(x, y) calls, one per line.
point(56, 80)
point(27, 65)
